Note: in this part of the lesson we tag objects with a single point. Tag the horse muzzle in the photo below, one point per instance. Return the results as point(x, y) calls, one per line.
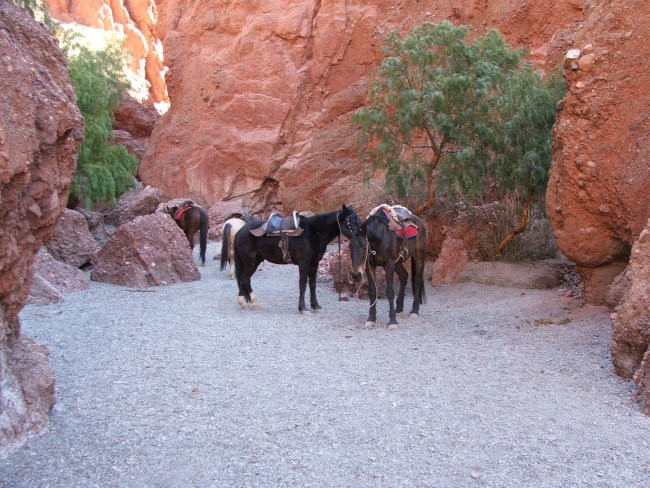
point(356, 276)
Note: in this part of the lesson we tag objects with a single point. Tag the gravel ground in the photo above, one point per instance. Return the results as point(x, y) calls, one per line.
point(178, 387)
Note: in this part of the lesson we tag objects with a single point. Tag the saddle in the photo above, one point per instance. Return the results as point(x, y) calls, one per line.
point(284, 227)
point(399, 220)
point(239, 214)
point(278, 225)
point(187, 204)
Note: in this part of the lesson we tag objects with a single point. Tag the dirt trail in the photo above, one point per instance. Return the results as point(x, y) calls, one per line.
point(177, 387)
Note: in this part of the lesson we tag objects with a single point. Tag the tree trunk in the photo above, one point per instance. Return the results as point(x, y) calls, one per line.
point(431, 185)
point(522, 224)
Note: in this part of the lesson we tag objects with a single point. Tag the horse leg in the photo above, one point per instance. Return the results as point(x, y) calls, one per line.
point(403, 279)
point(254, 301)
point(313, 271)
point(417, 270)
point(303, 268)
point(372, 295)
point(240, 272)
point(390, 295)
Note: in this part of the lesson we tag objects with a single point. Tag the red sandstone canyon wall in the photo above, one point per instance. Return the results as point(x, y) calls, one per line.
point(136, 21)
point(262, 92)
point(40, 130)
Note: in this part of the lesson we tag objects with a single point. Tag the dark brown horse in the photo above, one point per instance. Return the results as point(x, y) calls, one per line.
point(378, 245)
point(192, 219)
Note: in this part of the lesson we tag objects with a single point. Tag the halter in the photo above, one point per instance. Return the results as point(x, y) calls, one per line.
point(349, 226)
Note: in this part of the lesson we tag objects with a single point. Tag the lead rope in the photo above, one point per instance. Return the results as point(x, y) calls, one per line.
point(340, 265)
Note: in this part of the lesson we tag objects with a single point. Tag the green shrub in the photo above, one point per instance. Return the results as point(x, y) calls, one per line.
point(104, 170)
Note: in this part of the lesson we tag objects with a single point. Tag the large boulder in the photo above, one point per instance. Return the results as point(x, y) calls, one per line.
point(141, 201)
point(598, 196)
point(40, 130)
point(148, 251)
point(53, 279)
point(72, 242)
point(631, 321)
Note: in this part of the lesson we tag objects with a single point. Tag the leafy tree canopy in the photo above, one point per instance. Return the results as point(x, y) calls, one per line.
point(445, 112)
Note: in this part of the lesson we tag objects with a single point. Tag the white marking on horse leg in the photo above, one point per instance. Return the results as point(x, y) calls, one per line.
point(254, 302)
point(241, 301)
point(413, 315)
point(304, 312)
point(369, 324)
point(392, 326)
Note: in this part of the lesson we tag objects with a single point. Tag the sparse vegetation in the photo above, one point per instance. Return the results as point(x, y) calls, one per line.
point(446, 116)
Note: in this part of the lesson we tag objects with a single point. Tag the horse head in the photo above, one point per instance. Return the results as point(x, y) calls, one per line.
point(349, 222)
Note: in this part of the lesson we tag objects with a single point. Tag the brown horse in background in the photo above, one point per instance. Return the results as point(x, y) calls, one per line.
point(192, 219)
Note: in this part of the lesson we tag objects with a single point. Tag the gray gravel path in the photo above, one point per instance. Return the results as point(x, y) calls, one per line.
point(177, 387)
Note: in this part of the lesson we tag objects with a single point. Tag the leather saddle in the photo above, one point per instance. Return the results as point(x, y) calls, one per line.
point(278, 225)
point(239, 214)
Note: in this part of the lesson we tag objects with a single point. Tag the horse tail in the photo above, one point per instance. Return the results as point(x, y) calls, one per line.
point(203, 233)
point(224, 246)
point(418, 276)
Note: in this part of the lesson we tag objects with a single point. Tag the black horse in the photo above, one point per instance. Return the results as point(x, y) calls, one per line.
point(192, 219)
point(305, 251)
point(377, 245)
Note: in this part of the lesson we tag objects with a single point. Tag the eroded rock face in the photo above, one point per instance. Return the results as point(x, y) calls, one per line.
point(148, 251)
point(598, 198)
point(135, 20)
point(631, 322)
point(263, 92)
point(40, 130)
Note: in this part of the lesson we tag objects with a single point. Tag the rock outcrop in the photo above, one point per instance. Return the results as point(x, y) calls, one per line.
point(40, 130)
point(71, 242)
point(148, 251)
point(262, 93)
point(631, 321)
point(133, 20)
point(598, 198)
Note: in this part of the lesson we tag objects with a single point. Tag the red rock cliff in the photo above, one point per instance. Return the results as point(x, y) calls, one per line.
point(262, 92)
point(598, 198)
point(136, 21)
point(40, 129)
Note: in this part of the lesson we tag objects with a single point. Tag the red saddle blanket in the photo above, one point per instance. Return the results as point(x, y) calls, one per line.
point(410, 228)
point(411, 231)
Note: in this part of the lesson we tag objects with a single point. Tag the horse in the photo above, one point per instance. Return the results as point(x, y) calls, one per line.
point(192, 219)
point(305, 251)
point(234, 222)
point(377, 245)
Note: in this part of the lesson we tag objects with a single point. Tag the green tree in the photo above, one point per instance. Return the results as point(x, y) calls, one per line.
point(104, 170)
point(445, 112)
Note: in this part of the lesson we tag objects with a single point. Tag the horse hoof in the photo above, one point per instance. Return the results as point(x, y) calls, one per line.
point(254, 302)
point(241, 301)
point(303, 312)
point(392, 326)
point(369, 325)
point(317, 310)
point(413, 315)
point(401, 314)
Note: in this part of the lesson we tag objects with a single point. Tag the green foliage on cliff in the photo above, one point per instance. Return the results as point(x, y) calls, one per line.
point(104, 170)
point(446, 115)
point(38, 9)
